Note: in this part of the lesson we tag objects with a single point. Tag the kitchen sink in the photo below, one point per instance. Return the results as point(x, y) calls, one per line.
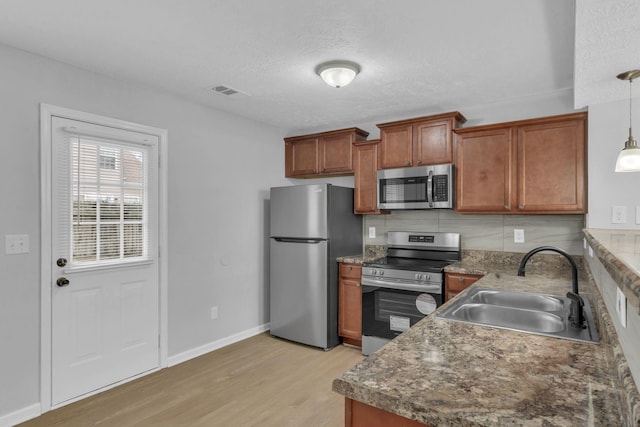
point(518, 300)
point(533, 313)
point(509, 317)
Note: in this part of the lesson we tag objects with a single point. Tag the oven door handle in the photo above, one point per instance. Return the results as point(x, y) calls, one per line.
point(434, 289)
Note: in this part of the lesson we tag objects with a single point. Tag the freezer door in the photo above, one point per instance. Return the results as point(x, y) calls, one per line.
point(299, 211)
point(299, 291)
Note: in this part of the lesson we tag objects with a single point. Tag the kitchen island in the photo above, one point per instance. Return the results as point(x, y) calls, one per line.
point(445, 373)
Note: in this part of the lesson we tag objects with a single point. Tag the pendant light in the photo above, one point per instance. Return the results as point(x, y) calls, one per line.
point(629, 157)
point(338, 73)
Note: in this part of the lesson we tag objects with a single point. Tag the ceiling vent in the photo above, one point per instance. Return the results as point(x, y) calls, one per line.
point(228, 90)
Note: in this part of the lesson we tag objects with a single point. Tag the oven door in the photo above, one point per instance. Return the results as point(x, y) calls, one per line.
point(388, 312)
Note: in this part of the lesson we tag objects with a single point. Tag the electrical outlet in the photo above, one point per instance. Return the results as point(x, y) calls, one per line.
point(621, 307)
point(372, 232)
point(214, 312)
point(619, 215)
point(16, 244)
point(518, 235)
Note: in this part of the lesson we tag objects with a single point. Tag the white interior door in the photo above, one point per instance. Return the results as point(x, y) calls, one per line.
point(104, 284)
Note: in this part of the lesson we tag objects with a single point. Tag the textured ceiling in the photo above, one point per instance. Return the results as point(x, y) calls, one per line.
point(607, 44)
point(416, 56)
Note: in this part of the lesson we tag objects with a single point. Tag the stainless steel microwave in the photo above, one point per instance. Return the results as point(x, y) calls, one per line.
point(423, 187)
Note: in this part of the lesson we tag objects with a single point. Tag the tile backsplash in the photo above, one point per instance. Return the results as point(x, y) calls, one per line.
point(486, 232)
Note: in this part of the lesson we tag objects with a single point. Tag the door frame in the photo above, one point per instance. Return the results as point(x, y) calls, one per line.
point(47, 111)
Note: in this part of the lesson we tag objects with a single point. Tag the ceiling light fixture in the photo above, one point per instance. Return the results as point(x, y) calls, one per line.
point(629, 157)
point(338, 73)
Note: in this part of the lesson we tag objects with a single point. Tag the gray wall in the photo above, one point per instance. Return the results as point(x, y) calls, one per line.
point(486, 232)
point(608, 130)
point(216, 230)
point(629, 337)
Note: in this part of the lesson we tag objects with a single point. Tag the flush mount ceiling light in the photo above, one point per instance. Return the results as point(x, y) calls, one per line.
point(338, 73)
point(629, 157)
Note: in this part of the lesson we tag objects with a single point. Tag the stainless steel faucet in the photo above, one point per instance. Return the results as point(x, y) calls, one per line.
point(576, 316)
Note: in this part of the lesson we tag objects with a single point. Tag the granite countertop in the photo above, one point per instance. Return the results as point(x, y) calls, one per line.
point(445, 373)
point(619, 252)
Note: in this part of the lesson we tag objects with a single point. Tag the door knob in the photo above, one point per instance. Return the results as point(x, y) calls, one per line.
point(61, 262)
point(62, 282)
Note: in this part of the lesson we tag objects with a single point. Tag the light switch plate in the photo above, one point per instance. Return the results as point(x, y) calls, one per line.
point(621, 307)
point(372, 232)
point(518, 235)
point(16, 244)
point(619, 215)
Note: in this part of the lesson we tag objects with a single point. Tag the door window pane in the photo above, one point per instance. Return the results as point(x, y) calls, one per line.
point(109, 199)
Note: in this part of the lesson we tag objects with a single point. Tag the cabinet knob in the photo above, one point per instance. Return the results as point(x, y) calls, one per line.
point(507, 206)
point(521, 206)
point(324, 170)
point(350, 268)
point(460, 279)
point(408, 162)
point(373, 209)
point(358, 284)
point(419, 162)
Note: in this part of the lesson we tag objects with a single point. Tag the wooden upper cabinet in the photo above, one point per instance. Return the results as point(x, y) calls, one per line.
point(365, 168)
point(419, 141)
point(301, 157)
point(321, 154)
point(529, 166)
point(396, 146)
point(551, 167)
point(485, 166)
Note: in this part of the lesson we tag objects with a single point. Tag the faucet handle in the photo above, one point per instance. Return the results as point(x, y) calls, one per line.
point(576, 314)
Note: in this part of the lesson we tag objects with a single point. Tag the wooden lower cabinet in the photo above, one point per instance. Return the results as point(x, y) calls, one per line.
point(350, 304)
point(454, 283)
point(358, 414)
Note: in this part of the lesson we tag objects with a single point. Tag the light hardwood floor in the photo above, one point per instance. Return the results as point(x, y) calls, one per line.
point(261, 381)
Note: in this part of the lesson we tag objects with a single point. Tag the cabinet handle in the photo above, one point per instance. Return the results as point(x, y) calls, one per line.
point(461, 279)
point(419, 162)
point(373, 209)
point(507, 206)
point(324, 170)
point(521, 206)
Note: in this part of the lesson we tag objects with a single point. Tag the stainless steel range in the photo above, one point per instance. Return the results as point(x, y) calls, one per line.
point(399, 290)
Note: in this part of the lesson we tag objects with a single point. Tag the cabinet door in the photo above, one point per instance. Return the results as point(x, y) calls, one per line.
point(455, 283)
point(396, 147)
point(336, 154)
point(350, 304)
point(485, 171)
point(433, 143)
point(301, 157)
point(365, 167)
point(551, 167)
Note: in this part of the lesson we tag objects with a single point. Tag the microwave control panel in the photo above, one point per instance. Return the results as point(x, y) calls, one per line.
point(440, 188)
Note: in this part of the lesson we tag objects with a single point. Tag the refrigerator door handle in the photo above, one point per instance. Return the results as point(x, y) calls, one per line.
point(289, 240)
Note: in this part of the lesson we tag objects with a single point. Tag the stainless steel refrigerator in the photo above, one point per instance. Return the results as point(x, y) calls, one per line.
point(311, 225)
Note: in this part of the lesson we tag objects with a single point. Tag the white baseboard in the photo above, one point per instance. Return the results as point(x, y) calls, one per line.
point(20, 416)
point(215, 345)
